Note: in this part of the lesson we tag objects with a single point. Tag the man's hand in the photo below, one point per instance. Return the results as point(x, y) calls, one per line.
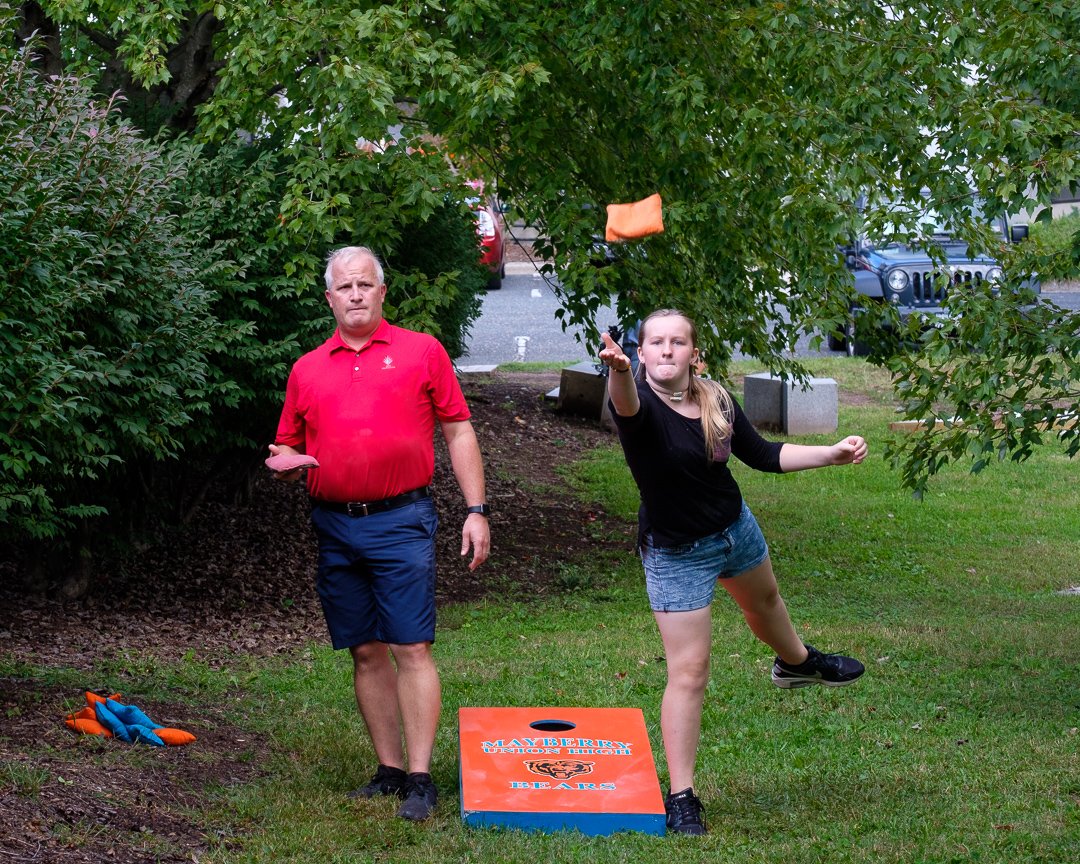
point(476, 535)
point(286, 476)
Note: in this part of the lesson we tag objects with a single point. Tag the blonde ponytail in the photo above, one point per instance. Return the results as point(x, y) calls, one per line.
point(717, 412)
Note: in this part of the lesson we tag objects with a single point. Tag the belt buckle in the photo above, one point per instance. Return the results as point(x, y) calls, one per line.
point(360, 508)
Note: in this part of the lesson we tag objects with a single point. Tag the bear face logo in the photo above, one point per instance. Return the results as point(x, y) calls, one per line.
point(559, 769)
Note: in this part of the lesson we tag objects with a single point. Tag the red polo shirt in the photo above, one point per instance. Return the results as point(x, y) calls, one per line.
point(369, 416)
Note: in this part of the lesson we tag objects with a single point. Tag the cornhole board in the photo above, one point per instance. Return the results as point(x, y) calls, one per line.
point(549, 769)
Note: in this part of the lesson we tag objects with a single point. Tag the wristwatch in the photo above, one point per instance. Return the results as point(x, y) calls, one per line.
point(482, 509)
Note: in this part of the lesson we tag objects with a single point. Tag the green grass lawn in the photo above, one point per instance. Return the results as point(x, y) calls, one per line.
point(959, 744)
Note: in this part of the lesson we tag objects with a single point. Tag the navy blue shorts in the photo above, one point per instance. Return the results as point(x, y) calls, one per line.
point(376, 574)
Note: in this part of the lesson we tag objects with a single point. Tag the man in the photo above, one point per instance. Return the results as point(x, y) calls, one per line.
point(364, 404)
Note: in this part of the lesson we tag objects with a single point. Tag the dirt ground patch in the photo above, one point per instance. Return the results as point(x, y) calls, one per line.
point(67, 798)
point(240, 580)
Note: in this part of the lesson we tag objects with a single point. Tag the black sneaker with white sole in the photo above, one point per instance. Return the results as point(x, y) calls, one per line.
point(830, 670)
point(387, 781)
point(420, 798)
point(684, 812)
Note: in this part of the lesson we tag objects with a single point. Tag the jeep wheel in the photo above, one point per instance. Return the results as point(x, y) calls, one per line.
point(845, 340)
point(849, 342)
point(856, 347)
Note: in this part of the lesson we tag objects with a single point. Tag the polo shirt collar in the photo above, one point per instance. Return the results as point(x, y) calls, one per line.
point(381, 334)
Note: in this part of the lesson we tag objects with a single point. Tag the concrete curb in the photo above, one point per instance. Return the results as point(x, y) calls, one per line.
point(522, 268)
point(488, 369)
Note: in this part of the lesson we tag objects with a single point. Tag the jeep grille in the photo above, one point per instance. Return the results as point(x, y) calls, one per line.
point(929, 287)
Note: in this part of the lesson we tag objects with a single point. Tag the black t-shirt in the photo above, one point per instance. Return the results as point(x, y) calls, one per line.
point(684, 497)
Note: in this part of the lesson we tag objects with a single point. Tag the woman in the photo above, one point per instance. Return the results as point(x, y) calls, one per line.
point(678, 431)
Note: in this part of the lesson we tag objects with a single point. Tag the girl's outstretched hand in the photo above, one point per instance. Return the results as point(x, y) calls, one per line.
point(612, 356)
point(850, 451)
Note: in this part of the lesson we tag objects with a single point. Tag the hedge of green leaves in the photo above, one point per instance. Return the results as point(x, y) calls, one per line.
point(105, 322)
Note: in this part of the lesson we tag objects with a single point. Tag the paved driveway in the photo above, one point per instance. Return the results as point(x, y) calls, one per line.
point(1065, 299)
point(518, 322)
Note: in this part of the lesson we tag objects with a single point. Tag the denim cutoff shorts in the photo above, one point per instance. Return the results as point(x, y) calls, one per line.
point(683, 578)
point(376, 574)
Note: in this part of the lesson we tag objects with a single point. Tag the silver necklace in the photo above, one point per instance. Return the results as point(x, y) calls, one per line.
point(672, 395)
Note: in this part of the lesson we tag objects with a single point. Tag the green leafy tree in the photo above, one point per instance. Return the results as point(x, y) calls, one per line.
point(759, 123)
point(105, 321)
point(329, 90)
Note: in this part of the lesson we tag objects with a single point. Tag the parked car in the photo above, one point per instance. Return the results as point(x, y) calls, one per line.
point(492, 243)
point(886, 270)
point(490, 227)
point(604, 254)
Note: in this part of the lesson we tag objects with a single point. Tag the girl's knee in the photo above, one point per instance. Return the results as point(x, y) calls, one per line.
point(689, 677)
point(765, 604)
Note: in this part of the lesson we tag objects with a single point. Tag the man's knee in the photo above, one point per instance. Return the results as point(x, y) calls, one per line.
point(413, 655)
point(369, 654)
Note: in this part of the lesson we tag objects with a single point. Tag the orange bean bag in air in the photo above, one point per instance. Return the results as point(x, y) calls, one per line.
point(634, 220)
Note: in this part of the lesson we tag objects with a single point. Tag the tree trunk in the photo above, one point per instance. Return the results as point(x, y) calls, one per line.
point(192, 78)
point(34, 20)
point(191, 64)
point(79, 567)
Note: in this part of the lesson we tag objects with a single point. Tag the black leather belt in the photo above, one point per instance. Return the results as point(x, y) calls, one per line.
point(366, 508)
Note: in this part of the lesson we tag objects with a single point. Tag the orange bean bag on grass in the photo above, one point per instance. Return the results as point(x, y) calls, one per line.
point(85, 722)
point(174, 737)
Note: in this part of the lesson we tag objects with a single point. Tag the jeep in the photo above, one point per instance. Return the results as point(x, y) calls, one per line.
point(888, 271)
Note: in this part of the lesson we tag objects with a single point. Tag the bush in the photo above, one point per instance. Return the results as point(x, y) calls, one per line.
point(1058, 245)
point(106, 321)
point(232, 200)
point(436, 282)
point(156, 293)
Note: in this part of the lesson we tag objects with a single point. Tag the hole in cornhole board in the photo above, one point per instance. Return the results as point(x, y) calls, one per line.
point(552, 725)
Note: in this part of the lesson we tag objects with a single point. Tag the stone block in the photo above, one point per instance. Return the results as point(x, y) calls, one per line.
point(582, 391)
point(606, 421)
point(775, 404)
point(812, 411)
point(763, 400)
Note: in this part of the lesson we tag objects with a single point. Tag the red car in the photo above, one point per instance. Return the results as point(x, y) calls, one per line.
point(489, 225)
